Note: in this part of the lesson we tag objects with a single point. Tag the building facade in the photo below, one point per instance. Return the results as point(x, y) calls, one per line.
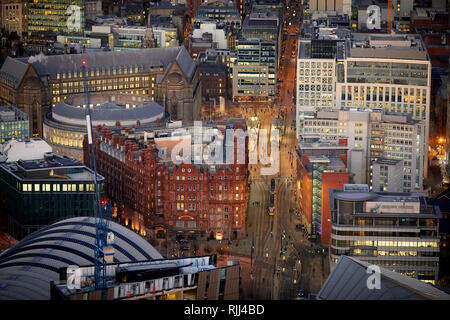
point(220, 11)
point(371, 136)
point(167, 75)
point(65, 125)
point(45, 20)
point(189, 199)
point(13, 124)
point(12, 16)
point(390, 73)
point(164, 279)
point(36, 193)
point(214, 79)
point(255, 70)
point(321, 166)
point(397, 231)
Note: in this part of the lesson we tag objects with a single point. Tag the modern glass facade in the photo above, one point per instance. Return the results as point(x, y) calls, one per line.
point(30, 203)
point(52, 15)
point(402, 240)
point(18, 129)
point(387, 72)
point(316, 212)
point(256, 68)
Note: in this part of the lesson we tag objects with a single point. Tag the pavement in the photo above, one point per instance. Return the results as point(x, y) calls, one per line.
point(276, 260)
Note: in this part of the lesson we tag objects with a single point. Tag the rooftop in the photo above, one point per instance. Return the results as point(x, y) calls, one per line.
point(11, 113)
point(143, 59)
point(107, 109)
point(29, 149)
point(348, 281)
point(27, 269)
point(51, 167)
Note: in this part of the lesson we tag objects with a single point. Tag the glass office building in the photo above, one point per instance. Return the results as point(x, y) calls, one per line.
point(398, 231)
point(255, 69)
point(46, 18)
point(37, 193)
point(13, 124)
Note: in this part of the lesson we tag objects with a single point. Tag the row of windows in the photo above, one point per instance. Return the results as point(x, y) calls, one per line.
point(65, 187)
point(381, 243)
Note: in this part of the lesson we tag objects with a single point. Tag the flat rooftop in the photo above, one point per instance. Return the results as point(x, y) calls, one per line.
point(52, 167)
point(403, 47)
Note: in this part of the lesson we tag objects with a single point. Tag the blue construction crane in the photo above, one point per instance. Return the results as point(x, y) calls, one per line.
point(102, 210)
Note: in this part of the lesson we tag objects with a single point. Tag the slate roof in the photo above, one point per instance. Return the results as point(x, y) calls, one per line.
point(348, 281)
point(109, 111)
point(13, 70)
point(144, 59)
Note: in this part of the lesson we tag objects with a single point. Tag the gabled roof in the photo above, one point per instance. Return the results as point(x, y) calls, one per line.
point(13, 70)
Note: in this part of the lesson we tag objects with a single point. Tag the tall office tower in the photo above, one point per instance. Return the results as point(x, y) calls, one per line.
point(46, 19)
point(397, 231)
point(391, 73)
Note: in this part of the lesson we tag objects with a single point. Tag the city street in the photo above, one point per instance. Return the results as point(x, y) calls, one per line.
point(277, 261)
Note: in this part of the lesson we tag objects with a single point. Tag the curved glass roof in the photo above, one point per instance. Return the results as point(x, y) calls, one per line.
point(27, 268)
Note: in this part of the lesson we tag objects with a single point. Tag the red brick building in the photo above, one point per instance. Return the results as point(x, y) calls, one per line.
point(199, 200)
point(320, 167)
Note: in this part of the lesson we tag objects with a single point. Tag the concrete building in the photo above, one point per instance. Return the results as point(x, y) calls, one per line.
point(387, 175)
point(167, 75)
point(67, 242)
point(65, 125)
point(397, 231)
point(348, 281)
point(13, 124)
point(321, 166)
point(12, 16)
point(194, 278)
point(255, 70)
point(371, 135)
point(36, 193)
point(191, 199)
point(29, 149)
point(366, 71)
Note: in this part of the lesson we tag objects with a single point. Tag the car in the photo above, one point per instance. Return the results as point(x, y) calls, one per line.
point(182, 241)
point(301, 293)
